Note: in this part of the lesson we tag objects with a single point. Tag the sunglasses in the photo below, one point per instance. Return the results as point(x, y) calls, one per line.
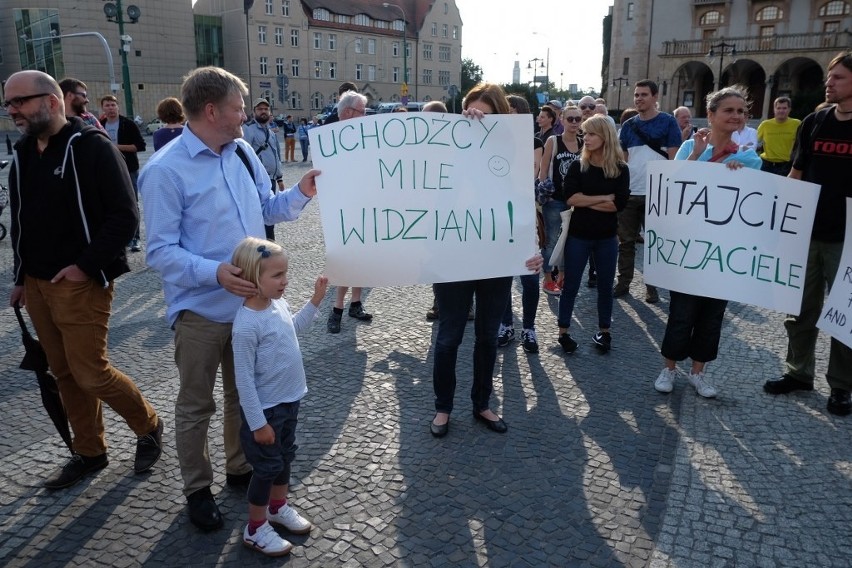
point(587, 107)
point(18, 102)
point(577, 119)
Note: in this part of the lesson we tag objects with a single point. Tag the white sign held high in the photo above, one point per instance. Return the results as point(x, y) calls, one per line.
point(836, 318)
point(417, 198)
point(739, 235)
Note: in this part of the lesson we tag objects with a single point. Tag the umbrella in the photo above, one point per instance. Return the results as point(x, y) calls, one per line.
point(36, 360)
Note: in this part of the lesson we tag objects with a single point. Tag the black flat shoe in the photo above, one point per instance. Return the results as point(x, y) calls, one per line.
point(494, 425)
point(203, 511)
point(439, 431)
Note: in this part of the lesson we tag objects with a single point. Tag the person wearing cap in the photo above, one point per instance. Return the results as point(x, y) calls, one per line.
point(260, 134)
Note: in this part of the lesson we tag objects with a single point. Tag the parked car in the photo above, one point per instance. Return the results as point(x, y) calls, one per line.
point(154, 125)
point(387, 107)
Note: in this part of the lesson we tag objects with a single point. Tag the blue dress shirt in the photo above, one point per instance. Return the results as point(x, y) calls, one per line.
point(198, 206)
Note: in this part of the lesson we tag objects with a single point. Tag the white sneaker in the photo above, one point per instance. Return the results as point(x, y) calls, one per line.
point(266, 540)
point(665, 382)
point(702, 386)
point(288, 518)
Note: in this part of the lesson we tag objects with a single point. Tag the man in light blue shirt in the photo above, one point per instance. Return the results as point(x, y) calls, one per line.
point(202, 195)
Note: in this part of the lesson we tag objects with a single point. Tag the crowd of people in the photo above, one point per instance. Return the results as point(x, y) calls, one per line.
point(213, 189)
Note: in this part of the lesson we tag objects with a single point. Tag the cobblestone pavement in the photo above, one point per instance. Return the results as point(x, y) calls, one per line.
point(597, 468)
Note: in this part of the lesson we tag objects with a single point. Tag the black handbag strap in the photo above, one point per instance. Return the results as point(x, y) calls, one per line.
point(652, 144)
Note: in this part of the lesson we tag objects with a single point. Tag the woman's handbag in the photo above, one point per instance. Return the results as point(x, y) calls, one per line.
point(556, 258)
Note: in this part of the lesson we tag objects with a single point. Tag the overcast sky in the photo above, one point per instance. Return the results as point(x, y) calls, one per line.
point(495, 34)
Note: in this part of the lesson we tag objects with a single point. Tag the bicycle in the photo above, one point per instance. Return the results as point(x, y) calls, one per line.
point(4, 200)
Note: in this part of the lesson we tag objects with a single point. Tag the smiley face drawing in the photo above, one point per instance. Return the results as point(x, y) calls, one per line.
point(499, 166)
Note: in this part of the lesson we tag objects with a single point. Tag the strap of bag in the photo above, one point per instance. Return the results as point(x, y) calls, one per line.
point(652, 144)
point(553, 157)
point(242, 154)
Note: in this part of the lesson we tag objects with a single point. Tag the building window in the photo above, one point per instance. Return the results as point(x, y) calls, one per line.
point(770, 13)
point(264, 66)
point(279, 65)
point(443, 53)
point(359, 47)
point(294, 38)
point(445, 31)
point(332, 42)
point(455, 32)
point(371, 46)
point(261, 34)
point(295, 100)
point(395, 49)
point(341, 19)
point(268, 10)
point(285, 8)
point(332, 70)
point(630, 8)
point(831, 27)
point(316, 101)
point(434, 29)
point(322, 15)
point(395, 75)
point(279, 36)
point(294, 67)
point(46, 55)
point(361, 20)
point(398, 25)
point(380, 24)
point(766, 33)
point(443, 78)
point(427, 51)
point(371, 72)
point(626, 69)
point(446, 8)
point(709, 33)
point(359, 72)
point(427, 76)
point(317, 40)
point(317, 69)
point(834, 8)
point(712, 18)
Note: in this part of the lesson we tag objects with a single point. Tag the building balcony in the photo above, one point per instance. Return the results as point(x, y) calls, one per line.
point(834, 41)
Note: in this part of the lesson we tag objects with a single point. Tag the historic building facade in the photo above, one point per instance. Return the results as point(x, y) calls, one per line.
point(690, 47)
point(60, 37)
point(298, 52)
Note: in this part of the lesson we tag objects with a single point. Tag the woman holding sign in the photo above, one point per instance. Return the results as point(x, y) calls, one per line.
point(597, 187)
point(454, 302)
point(695, 322)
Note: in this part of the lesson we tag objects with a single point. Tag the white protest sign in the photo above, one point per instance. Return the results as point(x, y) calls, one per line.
point(836, 318)
point(417, 198)
point(739, 235)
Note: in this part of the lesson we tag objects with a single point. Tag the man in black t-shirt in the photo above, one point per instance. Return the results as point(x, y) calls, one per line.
point(822, 156)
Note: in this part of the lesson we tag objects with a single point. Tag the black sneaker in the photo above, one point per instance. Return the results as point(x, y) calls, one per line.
point(786, 384)
point(603, 341)
point(620, 290)
point(357, 311)
point(593, 280)
point(568, 344)
point(840, 402)
point(530, 341)
point(333, 325)
point(149, 448)
point(75, 470)
point(505, 336)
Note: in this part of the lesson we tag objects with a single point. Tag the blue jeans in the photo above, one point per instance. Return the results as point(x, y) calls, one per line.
point(271, 464)
point(454, 301)
point(577, 253)
point(304, 145)
point(530, 293)
point(552, 224)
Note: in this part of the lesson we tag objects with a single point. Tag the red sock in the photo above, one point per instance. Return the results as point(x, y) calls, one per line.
point(275, 504)
point(254, 525)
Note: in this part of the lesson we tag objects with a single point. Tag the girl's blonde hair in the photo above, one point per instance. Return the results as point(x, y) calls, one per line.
point(613, 159)
point(250, 253)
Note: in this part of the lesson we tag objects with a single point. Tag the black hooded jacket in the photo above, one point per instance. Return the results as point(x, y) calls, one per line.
point(71, 204)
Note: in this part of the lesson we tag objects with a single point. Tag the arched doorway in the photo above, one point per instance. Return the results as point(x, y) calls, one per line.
point(750, 75)
point(801, 79)
point(691, 83)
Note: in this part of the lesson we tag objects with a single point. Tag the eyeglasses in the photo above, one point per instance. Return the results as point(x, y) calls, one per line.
point(263, 252)
point(576, 119)
point(84, 95)
point(587, 107)
point(18, 102)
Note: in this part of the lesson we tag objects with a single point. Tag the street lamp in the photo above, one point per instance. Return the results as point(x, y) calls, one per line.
point(723, 48)
point(113, 86)
point(621, 82)
point(114, 13)
point(247, 4)
point(404, 88)
point(533, 64)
